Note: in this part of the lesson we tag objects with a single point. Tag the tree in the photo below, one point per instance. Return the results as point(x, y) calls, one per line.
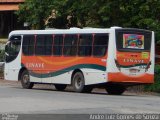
point(34, 12)
point(142, 14)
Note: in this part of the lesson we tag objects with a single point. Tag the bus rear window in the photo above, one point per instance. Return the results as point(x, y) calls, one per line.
point(133, 40)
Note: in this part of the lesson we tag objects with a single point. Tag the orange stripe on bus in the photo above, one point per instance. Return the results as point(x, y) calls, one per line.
point(59, 63)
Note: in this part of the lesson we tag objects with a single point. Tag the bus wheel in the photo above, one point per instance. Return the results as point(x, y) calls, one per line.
point(60, 87)
point(78, 82)
point(115, 89)
point(87, 89)
point(25, 80)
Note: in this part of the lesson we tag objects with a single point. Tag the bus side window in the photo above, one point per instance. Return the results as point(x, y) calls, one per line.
point(39, 48)
point(58, 43)
point(100, 45)
point(44, 45)
point(70, 45)
point(85, 45)
point(48, 44)
point(28, 44)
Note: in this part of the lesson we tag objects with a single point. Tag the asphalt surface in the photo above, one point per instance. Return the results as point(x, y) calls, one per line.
point(45, 99)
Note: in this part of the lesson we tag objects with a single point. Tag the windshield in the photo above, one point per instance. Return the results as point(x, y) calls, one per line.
point(12, 48)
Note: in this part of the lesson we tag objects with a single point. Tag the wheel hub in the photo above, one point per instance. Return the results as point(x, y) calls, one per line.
point(78, 83)
point(26, 78)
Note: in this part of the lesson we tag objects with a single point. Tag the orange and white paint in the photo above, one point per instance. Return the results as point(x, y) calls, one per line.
point(115, 66)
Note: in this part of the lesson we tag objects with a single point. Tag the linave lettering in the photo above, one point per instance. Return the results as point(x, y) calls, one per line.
point(133, 61)
point(35, 65)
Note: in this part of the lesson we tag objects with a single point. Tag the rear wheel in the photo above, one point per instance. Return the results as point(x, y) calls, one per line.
point(25, 80)
point(87, 89)
point(60, 87)
point(78, 83)
point(115, 89)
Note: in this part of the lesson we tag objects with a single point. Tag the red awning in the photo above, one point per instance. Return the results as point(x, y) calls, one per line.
point(9, 7)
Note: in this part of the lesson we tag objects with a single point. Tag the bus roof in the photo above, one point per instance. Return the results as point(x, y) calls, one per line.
point(73, 30)
point(61, 31)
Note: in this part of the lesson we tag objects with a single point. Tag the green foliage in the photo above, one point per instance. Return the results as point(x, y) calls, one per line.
point(156, 86)
point(142, 14)
point(34, 12)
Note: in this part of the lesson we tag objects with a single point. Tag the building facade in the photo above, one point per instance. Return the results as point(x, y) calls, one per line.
point(8, 18)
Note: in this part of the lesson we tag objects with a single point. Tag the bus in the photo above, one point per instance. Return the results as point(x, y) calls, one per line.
point(110, 58)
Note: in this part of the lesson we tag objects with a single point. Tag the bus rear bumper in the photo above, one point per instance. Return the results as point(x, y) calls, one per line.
point(120, 77)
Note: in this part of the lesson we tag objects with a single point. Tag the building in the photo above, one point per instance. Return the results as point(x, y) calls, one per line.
point(8, 20)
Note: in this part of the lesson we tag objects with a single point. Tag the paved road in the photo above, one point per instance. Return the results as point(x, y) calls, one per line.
point(14, 99)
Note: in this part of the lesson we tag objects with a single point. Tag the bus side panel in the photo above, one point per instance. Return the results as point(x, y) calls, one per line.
point(63, 78)
point(93, 76)
point(34, 78)
point(59, 69)
point(111, 66)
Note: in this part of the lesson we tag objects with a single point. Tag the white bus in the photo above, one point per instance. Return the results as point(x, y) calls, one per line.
point(112, 58)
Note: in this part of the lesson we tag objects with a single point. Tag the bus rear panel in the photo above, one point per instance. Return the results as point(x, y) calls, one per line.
point(134, 57)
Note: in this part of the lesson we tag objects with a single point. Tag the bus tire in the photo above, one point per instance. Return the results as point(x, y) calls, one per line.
point(88, 89)
point(60, 87)
point(115, 89)
point(25, 80)
point(78, 83)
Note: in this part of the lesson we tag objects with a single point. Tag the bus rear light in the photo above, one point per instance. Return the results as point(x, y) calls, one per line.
point(148, 66)
point(118, 65)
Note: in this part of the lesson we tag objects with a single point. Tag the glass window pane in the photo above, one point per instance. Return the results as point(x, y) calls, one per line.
point(44, 45)
point(100, 45)
point(12, 48)
point(70, 45)
point(28, 44)
point(57, 47)
point(40, 48)
point(85, 45)
point(133, 40)
point(48, 44)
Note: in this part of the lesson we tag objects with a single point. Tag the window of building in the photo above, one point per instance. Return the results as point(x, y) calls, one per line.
point(58, 43)
point(85, 45)
point(28, 44)
point(43, 45)
point(70, 45)
point(100, 44)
